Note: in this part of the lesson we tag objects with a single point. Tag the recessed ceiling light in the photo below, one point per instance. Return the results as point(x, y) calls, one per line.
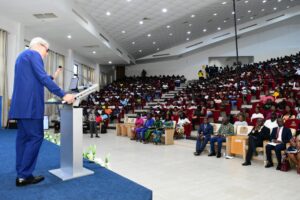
point(94, 52)
point(219, 28)
point(251, 17)
point(108, 13)
point(154, 43)
point(109, 62)
point(133, 43)
point(123, 31)
point(264, 1)
point(189, 32)
point(288, 7)
point(192, 16)
point(170, 34)
point(279, 1)
point(164, 10)
point(149, 35)
point(140, 50)
point(246, 1)
point(141, 22)
point(204, 30)
point(157, 49)
point(274, 8)
point(128, 0)
point(215, 14)
point(262, 10)
point(187, 39)
point(233, 12)
point(239, 19)
point(69, 36)
point(225, 21)
point(249, 11)
point(224, 3)
point(168, 26)
point(190, 25)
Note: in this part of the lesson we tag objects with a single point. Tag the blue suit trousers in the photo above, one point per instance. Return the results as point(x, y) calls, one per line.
point(28, 142)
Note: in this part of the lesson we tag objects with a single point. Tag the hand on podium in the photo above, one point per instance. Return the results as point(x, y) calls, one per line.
point(69, 98)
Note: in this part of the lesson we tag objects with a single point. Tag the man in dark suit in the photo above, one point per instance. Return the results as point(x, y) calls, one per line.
point(27, 107)
point(204, 132)
point(279, 137)
point(256, 138)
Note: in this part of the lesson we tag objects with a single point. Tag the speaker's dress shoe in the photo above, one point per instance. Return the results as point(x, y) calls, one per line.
point(278, 167)
point(218, 155)
point(27, 181)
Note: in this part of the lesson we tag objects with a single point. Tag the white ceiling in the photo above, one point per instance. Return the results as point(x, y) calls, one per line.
point(125, 16)
point(56, 30)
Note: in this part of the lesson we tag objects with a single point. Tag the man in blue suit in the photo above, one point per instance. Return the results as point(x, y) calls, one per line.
point(279, 137)
point(204, 132)
point(27, 107)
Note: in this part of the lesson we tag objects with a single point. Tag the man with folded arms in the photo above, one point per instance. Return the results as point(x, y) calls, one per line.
point(279, 137)
point(27, 107)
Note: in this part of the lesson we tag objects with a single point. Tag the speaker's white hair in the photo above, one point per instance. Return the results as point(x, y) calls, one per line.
point(38, 41)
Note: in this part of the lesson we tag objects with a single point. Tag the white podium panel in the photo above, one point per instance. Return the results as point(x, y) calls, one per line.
point(71, 161)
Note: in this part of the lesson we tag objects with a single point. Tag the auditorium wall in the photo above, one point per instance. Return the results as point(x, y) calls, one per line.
point(275, 40)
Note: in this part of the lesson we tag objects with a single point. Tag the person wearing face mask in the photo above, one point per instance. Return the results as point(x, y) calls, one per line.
point(27, 107)
point(279, 137)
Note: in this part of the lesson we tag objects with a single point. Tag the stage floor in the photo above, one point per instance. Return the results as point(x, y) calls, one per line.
point(104, 184)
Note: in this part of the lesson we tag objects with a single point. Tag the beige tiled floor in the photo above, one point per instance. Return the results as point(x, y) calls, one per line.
point(173, 173)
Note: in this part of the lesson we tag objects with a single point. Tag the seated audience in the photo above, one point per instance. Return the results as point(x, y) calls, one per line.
point(257, 114)
point(294, 151)
point(288, 114)
point(241, 121)
point(226, 129)
point(204, 133)
point(138, 124)
point(141, 133)
point(182, 121)
point(256, 137)
point(157, 130)
point(272, 122)
point(279, 137)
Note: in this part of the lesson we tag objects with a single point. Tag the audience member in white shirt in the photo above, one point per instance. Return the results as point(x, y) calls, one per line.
point(257, 114)
point(272, 122)
point(241, 121)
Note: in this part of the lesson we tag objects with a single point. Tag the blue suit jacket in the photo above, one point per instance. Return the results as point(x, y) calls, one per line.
point(28, 92)
point(286, 134)
point(207, 131)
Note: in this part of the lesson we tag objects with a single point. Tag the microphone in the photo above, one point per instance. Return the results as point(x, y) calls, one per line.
point(71, 71)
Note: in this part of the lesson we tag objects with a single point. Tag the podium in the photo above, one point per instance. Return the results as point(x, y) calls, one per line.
point(71, 160)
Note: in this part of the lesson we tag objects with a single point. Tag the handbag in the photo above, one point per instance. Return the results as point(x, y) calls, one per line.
point(285, 164)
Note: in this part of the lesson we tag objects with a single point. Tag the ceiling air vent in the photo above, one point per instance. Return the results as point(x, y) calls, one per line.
point(193, 45)
point(274, 18)
point(160, 55)
point(221, 36)
point(78, 15)
point(247, 27)
point(119, 51)
point(45, 16)
point(101, 35)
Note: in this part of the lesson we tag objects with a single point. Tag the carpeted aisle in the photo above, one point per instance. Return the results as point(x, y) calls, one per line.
point(103, 185)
